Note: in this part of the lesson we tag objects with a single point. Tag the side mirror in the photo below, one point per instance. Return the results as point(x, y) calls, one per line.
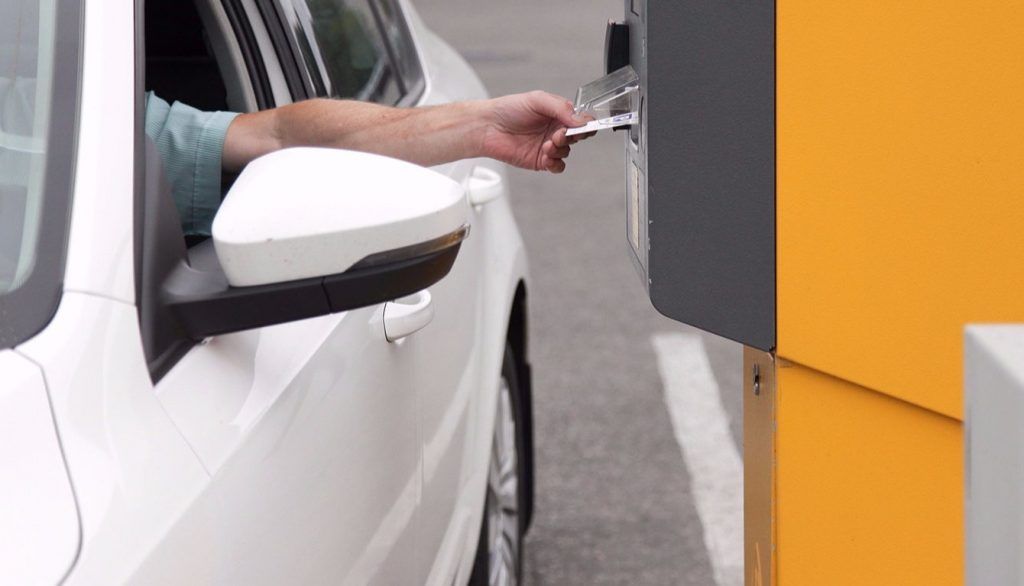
point(306, 232)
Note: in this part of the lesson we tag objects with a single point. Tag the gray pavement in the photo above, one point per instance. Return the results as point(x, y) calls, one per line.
point(613, 496)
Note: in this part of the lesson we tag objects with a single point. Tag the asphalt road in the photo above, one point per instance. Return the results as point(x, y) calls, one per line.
point(615, 503)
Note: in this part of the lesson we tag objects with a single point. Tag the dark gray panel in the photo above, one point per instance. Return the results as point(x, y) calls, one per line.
point(708, 148)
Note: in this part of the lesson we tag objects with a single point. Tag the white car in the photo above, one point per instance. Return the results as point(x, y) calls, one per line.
point(334, 389)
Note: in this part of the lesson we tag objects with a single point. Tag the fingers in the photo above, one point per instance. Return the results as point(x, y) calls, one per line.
point(559, 152)
point(555, 107)
point(553, 150)
point(556, 149)
point(552, 157)
point(555, 166)
point(576, 138)
point(559, 138)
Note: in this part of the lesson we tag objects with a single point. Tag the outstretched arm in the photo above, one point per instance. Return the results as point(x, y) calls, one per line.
point(525, 130)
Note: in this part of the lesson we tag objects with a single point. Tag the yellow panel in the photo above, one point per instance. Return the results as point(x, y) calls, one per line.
point(900, 186)
point(869, 488)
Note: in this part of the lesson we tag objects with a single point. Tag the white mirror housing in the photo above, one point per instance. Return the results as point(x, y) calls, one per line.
point(307, 212)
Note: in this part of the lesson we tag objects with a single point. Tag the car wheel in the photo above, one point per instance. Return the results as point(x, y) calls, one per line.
point(499, 557)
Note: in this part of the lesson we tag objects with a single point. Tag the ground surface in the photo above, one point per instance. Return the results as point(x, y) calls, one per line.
point(616, 502)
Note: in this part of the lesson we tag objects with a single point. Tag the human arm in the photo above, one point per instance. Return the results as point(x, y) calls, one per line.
point(524, 130)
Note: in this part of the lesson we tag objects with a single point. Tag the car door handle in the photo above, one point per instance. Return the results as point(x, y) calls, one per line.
point(406, 316)
point(484, 185)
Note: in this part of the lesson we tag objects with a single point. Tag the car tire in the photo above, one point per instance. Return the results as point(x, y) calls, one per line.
point(499, 555)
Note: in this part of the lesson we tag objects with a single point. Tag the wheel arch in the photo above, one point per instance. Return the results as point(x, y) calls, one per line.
point(518, 340)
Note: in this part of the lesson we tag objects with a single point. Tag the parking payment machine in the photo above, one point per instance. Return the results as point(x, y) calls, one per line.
point(837, 187)
point(700, 165)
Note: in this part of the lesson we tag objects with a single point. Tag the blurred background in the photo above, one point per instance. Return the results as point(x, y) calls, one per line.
point(638, 419)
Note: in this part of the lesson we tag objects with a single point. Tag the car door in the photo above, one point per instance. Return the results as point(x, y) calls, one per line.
point(362, 49)
point(308, 431)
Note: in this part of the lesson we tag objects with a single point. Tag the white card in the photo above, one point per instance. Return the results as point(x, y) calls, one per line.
point(605, 123)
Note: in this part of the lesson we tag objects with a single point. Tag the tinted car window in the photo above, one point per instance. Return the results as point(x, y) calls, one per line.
point(25, 67)
point(38, 94)
point(407, 61)
point(342, 46)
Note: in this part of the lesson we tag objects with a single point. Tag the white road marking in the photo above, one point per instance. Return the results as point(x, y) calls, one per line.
point(714, 465)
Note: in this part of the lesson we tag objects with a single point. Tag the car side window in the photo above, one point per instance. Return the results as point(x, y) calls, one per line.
point(407, 60)
point(343, 49)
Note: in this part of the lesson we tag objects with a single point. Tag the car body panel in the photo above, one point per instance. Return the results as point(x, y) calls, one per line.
point(309, 433)
point(313, 451)
point(39, 529)
point(132, 471)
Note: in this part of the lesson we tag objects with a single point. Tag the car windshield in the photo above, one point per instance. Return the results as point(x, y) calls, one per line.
point(26, 64)
point(33, 205)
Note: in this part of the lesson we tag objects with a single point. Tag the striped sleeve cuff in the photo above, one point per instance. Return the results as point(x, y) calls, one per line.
point(206, 183)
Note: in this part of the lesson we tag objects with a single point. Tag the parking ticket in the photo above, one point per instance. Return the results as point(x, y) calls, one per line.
point(605, 123)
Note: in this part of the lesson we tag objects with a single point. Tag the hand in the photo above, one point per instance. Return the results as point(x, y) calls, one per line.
point(528, 130)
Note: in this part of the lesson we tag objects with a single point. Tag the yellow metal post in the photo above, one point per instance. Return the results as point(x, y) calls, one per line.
point(759, 478)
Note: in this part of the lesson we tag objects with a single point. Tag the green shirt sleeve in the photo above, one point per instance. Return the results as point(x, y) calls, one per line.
point(191, 143)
